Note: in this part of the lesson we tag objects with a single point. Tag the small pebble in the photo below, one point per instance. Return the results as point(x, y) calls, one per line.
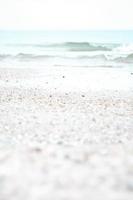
point(37, 149)
point(93, 119)
point(60, 142)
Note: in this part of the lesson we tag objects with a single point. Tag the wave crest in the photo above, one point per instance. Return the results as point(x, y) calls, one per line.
point(71, 46)
point(35, 57)
point(127, 59)
point(31, 56)
point(85, 46)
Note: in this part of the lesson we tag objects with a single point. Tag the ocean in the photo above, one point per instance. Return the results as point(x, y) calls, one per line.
point(66, 48)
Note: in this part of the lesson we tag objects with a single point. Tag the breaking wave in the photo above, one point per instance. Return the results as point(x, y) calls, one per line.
point(127, 59)
point(25, 57)
point(69, 53)
point(33, 57)
point(71, 46)
point(84, 46)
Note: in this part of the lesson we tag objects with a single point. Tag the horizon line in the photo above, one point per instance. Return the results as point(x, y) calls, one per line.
point(66, 29)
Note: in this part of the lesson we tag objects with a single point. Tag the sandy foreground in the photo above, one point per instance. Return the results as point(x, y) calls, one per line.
point(66, 134)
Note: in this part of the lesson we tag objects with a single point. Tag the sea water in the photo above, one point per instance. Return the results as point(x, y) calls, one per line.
point(66, 48)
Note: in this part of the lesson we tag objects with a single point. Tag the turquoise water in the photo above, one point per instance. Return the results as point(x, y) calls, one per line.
point(67, 48)
point(66, 36)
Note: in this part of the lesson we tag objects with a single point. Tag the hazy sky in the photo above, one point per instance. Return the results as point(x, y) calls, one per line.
point(66, 14)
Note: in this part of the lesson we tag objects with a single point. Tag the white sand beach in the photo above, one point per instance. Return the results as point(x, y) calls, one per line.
point(66, 133)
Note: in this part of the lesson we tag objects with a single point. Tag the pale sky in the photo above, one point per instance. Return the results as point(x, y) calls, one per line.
point(66, 14)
